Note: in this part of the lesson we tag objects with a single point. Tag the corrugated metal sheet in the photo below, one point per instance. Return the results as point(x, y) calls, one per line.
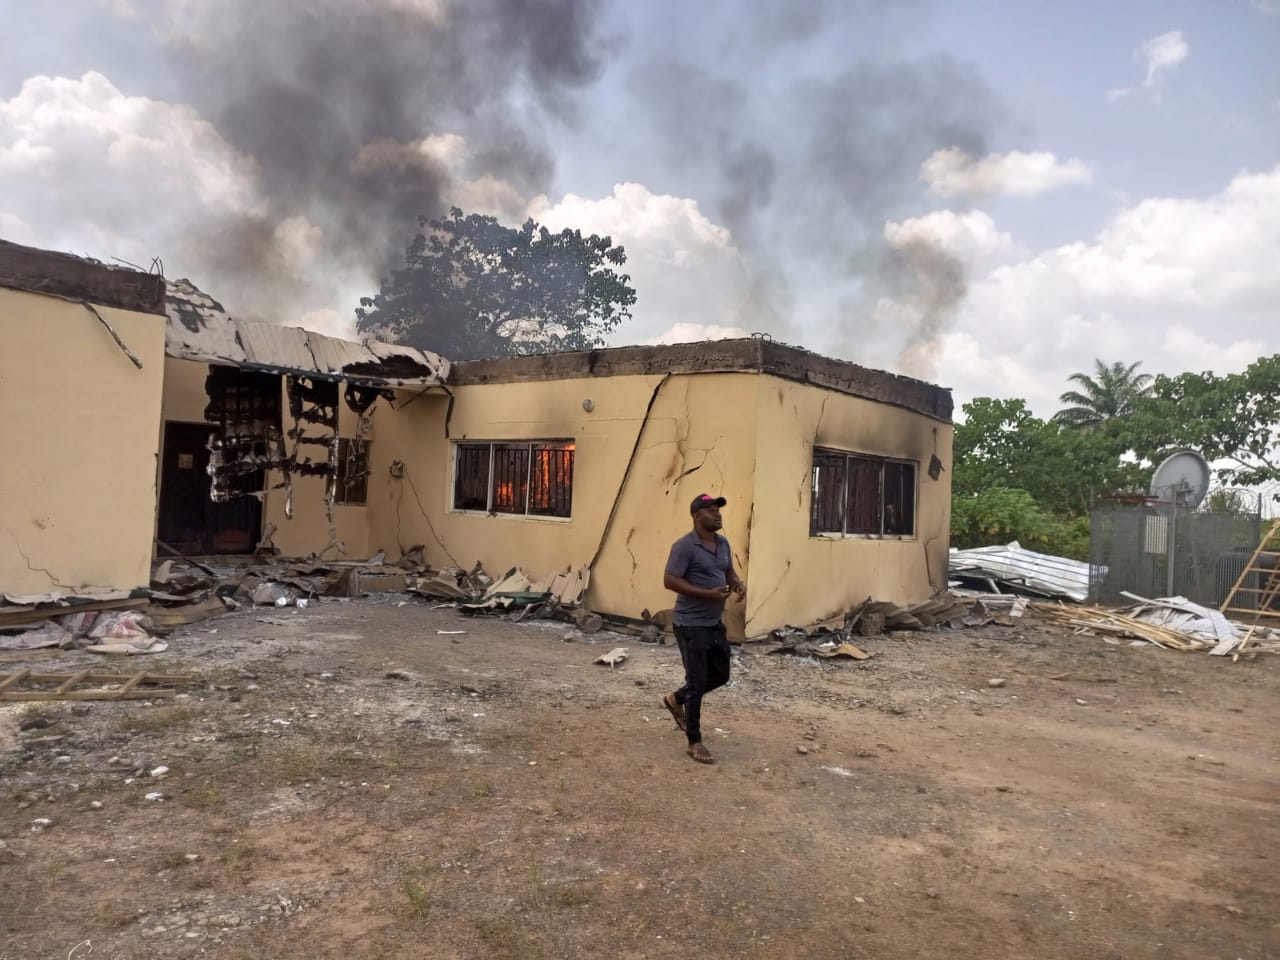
point(273, 346)
point(332, 354)
point(1057, 576)
point(199, 328)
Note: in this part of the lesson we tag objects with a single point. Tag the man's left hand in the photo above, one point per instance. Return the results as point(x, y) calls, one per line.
point(740, 590)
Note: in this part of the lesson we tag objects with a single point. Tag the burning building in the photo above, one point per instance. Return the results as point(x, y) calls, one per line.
point(183, 427)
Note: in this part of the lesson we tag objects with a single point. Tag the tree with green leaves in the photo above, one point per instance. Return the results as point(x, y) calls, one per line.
point(1111, 392)
point(1017, 477)
point(1233, 420)
point(1001, 444)
point(473, 288)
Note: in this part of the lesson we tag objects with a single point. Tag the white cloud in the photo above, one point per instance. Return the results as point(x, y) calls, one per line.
point(1162, 54)
point(1266, 6)
point(1159, 55)
point(685, 268)
point(954, 173)
point(1195, 352)
point(1176, 283)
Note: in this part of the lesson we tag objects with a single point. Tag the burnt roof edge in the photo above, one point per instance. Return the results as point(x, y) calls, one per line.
point(714, 356)
point(69, 277)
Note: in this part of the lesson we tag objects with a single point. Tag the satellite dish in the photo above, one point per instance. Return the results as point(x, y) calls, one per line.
point(1183, 477)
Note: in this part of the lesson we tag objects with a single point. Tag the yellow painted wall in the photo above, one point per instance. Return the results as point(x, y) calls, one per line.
point(185, 399)
point(748, 437)
point(78, 427)
point(184, 393)
point(801, 580)
point(714, 445)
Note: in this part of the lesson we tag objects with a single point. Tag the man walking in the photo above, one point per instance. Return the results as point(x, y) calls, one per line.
point(700, 571)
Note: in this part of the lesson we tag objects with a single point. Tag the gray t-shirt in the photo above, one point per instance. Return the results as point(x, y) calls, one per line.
point(693, 560)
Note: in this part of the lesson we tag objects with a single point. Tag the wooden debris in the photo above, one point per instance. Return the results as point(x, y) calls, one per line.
point(1113, 623)
point(1102, 621)
point(138, 686)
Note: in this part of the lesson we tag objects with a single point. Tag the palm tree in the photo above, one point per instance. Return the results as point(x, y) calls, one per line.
point(1111, 392)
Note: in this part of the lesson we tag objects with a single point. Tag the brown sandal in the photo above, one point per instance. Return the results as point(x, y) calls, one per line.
point(677, 711)
point(700, 753)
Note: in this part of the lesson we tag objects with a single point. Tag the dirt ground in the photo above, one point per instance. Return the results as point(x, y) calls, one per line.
point(502, 796)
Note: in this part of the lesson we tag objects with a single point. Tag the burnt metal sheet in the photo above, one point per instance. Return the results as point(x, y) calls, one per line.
point(199, 328)
point(267, 345)
point(331, 355)
point(437, 365)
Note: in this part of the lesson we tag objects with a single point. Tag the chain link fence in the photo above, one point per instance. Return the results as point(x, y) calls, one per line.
point(1161, 549)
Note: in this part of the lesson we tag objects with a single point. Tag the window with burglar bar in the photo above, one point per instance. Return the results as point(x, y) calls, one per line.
point(353, 472)
point(859, 495)
point(521, 478)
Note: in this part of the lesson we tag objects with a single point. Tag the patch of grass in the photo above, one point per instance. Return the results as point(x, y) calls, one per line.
point(507, 940)
point(482, 790)
point(576, 893)
point(207, 796)
point(420, 885)
point(157, 720)
point(112, 914)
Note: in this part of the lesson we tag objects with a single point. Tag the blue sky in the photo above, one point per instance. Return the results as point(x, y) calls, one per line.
point(987, 195)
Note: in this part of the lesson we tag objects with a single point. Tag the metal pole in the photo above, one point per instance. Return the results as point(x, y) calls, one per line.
point(1173, 536)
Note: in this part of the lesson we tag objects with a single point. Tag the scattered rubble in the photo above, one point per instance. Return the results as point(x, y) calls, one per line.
point(1173, 623)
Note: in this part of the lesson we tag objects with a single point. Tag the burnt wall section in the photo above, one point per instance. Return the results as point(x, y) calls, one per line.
point(245, 407)
point(720, 356)
point(74, 278)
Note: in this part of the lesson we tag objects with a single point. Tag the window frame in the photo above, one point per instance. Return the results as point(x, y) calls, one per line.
point(842, 503)
point(342, 483)
point(530, 446)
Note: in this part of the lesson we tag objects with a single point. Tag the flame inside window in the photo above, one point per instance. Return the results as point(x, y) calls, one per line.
point(522, 478)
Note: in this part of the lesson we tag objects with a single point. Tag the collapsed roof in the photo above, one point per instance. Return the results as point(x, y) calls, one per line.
point(198, 328)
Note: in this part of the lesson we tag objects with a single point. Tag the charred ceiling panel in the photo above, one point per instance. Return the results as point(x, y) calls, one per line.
point(200, 329)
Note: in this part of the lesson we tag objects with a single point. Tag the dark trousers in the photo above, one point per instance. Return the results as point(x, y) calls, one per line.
point(705, 652)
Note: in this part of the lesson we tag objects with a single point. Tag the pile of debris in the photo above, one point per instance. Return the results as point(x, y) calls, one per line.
point(1011, 569)
point(872, 618)
point(557, 596)
point(1173, 623)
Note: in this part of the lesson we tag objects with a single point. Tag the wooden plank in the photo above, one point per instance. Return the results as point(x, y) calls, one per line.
point(133, 682)
point(13, 679)
point(72, 680)
point(111, 677)
point(158, 693)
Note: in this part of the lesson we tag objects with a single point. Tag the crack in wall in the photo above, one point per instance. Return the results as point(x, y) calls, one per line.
point(752, 614)
point(53, 581)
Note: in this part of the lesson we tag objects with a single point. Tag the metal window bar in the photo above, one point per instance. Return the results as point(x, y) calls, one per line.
point(509, 488)
point(866, 495)
point(826, 513)
point(472, 464)
point(551, 480)
point(899, 498)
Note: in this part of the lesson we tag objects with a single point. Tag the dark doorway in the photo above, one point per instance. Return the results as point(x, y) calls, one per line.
point(190, 522)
